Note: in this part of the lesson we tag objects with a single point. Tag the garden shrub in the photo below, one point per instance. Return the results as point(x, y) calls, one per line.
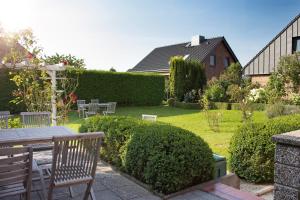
point(187, 105)
point(122, 87)
point(167, 158)
point(171, 102)
point(235, 106)
point(252, 150)
point(279, 109)
point(117, 131)
point(221, 105)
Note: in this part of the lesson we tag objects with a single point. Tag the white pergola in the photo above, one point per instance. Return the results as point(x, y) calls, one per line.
point(51, 70)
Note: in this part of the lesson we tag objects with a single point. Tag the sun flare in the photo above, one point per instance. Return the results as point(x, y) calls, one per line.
point(15, 14)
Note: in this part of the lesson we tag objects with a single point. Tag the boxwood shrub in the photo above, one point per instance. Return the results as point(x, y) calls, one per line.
point(117, 129)
point(122, 87)
point(252, 151)
point(167, 158)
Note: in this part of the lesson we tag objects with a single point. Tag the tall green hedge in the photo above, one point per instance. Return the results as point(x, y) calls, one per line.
point(185, 75)
point(124, 88)
point(6, 88)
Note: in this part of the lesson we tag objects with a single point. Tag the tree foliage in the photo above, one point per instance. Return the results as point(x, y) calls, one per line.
point(185, 75)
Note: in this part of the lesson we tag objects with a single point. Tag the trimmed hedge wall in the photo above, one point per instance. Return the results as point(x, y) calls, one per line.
point(6, 88)
point(165, 157)
point(252, 150)
point(124, 88)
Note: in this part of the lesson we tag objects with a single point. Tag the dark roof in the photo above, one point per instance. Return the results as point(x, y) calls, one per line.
point(278, 35)
point(158, 59)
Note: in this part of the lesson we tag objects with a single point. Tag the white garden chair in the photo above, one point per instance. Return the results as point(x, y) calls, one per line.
point(151, 118)
point(92, 109)
point(4, 116)
point(110, 109)
point(81, 108)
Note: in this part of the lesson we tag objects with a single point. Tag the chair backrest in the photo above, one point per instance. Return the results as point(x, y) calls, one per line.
point(75, 157)
point(35, 119)
point(93, 107)
point(94, 100)
point(80, 102)
point(111, 107)
point(151, 118)
point(15, 168)
point(4, 116)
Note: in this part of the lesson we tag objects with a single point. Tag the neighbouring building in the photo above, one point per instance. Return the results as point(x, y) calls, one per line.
point(266, 61)
point(214, 53)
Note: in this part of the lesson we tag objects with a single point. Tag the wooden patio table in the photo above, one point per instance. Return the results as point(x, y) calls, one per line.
point(22, 136)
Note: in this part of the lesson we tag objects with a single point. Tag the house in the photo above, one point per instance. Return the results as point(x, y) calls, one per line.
point(266, 61)
point(214, 53)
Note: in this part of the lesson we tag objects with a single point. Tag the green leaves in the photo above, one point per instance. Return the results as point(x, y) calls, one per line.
point(252, 150)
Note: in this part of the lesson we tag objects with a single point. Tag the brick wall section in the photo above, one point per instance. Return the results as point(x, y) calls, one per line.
point(261, 79)
point(221, 53)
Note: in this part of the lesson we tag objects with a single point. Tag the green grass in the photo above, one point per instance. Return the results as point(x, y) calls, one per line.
point(192, 120)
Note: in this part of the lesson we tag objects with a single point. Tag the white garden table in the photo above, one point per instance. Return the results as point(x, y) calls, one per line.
point(21, 136)
point(86, 105)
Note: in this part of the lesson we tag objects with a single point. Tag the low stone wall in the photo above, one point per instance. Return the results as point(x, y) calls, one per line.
point(287, 166)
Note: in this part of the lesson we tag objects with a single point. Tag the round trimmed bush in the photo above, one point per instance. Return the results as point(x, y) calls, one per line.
point(167, 158)
point(252, 150)
point(117, 129)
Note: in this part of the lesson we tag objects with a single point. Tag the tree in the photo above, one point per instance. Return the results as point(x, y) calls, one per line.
point(289, 68)
point(275, 88)
point(68, 60)
point(112, 69)
point(240, 93)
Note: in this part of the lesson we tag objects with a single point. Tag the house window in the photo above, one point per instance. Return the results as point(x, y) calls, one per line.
point(296, 44)
point(212, 60)
point(226, 62)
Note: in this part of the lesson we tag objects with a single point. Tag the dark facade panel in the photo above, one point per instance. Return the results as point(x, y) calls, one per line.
point(295, 28)
point(289, 36)
point(298, 27)
point(261, 63)
point(251, 68)
point(256, 66)
point(272, 53)
point(283, 43)
point(266, 60)
point(277, 52)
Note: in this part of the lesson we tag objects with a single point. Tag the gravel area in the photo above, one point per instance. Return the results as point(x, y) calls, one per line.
point(253, 188)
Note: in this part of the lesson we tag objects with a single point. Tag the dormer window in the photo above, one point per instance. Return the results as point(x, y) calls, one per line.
point(212, 60)
point(296, 44)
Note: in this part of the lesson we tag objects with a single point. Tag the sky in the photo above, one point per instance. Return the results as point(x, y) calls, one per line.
point(119, 33)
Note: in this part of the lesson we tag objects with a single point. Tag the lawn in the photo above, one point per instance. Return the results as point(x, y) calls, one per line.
point(192, 120)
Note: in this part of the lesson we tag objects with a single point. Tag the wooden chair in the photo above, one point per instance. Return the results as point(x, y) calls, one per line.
point(92, 109)
point(4, 116)
point(35, 119)
point(94, 100)
point(74, 161)
point(111, 108)
point(151, 118)
point(81, 108)
point(15, 171)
